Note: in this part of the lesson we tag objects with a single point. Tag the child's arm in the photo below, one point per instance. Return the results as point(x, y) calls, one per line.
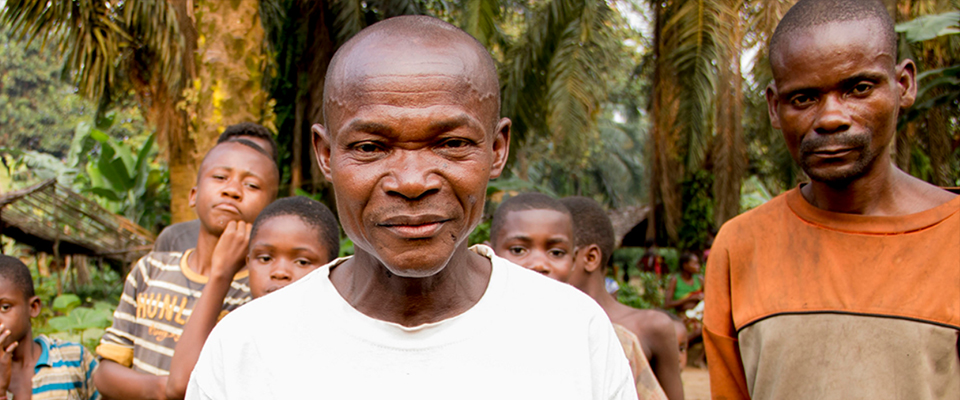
point(228, 258)
point(114, 381)
point(114, 377)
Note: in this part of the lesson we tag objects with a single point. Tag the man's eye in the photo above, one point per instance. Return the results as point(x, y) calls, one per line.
point(801, 101)
point(455, 143)
point(517, 250)
point(862, 88)
point(367, 147)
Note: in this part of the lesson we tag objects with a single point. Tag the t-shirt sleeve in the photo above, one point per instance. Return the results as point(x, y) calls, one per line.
point(727, 379)
point(117, 342)
point(611, 369)
point(89, 364)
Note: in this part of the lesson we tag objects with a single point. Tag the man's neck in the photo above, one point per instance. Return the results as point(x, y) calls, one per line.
point(368, 286)
point(199, 259)
point(884, 191)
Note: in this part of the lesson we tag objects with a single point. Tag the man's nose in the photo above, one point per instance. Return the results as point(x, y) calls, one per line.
point(833, 116)
point(412, 175)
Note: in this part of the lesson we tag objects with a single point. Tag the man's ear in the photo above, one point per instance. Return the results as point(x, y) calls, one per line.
point(773, 105)
point(501, 147)
point(321, 149)
point(591, 258)
point(907, 82)
point(192, 199)
point(35, 306)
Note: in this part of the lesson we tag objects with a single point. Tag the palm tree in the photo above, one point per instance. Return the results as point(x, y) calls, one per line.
point(193, 70)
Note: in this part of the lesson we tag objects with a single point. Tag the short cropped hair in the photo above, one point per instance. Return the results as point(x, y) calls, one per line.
point(808, 13)
point(250, 129)
point(523, 202)
point(17, 273)
point(591, 225)
point(252, 145)
point(311, 212)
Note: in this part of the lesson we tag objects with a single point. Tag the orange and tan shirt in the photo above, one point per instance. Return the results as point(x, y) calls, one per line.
point(158, 298)
point(803, 303)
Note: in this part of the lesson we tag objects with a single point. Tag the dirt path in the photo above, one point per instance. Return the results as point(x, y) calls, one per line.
point(696, 384)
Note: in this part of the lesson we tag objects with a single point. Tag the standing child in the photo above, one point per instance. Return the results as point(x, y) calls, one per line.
point(536, 232)
point(291, 237)
point(236, 180)
point(36, 368)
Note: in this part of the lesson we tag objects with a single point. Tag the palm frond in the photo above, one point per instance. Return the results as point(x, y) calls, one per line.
point(350, 18)
point(480, 21)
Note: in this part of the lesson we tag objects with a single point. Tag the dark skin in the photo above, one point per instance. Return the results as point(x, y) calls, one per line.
point(654, 329)
point(409, 146)
point(18, 351)
point(687, 274)
point(235, 182)
point(838, 116)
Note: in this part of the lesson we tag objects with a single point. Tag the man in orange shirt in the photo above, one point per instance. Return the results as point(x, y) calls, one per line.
point(849, 285)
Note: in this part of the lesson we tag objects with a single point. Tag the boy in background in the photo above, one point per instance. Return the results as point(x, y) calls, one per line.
point(182, 236)
point(290, 238)
point(36, 368)
point(237, 179)
point(654, 329)
point(536, 231)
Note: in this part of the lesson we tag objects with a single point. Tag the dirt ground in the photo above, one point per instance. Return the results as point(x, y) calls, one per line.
point(696, 383)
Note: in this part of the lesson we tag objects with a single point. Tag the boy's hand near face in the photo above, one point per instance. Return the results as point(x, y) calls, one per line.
point(229, 257)
point(6, 360)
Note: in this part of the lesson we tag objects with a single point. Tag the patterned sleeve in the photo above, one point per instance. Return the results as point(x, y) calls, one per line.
point(117, 342)
point(89, 364)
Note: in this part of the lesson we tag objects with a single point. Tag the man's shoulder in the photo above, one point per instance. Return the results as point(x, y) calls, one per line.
point(162, 259)
point(767, 217)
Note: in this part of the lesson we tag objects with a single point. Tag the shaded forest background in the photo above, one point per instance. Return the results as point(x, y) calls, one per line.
point(630, 102)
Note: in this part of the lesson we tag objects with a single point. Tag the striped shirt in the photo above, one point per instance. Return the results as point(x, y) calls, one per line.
point(63, 371)
point(158, 298)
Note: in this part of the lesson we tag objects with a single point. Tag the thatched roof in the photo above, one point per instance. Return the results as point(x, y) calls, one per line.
point(625, 219)
point(54, 219)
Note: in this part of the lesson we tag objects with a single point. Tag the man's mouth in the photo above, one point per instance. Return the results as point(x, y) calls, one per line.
point(414, 226)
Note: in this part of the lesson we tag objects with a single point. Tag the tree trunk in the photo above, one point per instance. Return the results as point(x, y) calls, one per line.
point(730, 156)
point(667, 166)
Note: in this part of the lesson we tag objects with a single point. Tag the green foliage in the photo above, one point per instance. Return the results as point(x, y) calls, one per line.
point(626, 258)
point(928, 27)
point(481, 234)
point(649, 296)
point(697, 220)
point(37, 110)
point(753, 193)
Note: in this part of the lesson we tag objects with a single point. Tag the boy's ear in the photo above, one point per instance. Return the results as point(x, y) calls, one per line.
point(35, 306)
point(322, 144)
point(192, 199)
point(591, 257)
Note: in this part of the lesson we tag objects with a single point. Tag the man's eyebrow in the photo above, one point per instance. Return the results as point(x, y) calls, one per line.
point(367, 126)
point(863, 76)
point(451, 123)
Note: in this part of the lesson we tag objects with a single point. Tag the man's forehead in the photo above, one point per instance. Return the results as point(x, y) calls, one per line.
point(839, 41)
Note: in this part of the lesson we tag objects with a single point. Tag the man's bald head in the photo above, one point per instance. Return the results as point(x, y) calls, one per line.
point(416, 47)
point(812, 13)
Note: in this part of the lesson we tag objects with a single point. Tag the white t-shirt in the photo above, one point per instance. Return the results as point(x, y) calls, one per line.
point(528, 337)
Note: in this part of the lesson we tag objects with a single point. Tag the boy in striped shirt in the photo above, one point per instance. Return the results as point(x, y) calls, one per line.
point(39, 368)
point(237, 179)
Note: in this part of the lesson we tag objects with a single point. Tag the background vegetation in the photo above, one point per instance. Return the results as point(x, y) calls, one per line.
point(627, 101)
